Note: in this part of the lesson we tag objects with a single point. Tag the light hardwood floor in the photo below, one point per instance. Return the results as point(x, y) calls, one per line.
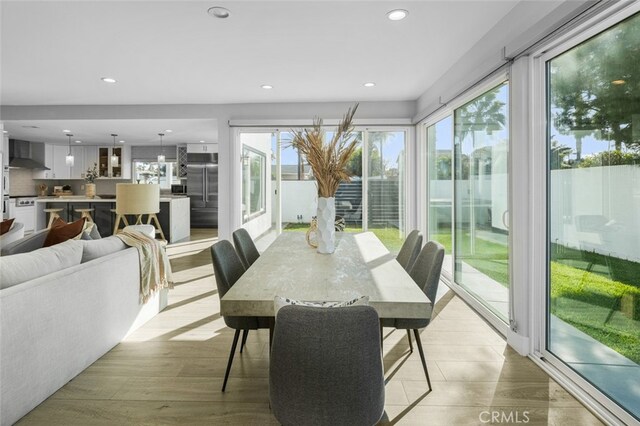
point(170, 370)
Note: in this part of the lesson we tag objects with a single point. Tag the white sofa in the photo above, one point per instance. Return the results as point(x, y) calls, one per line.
point(55, 325)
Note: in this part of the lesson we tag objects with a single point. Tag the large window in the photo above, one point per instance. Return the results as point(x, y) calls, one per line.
point(253, 183)
point(164, 174)
point(593, 112)
point(481, 143)
point(440, 181)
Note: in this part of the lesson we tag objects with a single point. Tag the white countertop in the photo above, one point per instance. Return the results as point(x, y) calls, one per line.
point(83, 199)
point(361, 265)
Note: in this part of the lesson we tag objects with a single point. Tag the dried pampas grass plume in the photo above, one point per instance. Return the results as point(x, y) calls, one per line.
point(328, 160)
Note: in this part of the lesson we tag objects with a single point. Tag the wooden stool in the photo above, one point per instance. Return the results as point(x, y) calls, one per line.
point(119, 217)
point(53, 214)
point(85, 213)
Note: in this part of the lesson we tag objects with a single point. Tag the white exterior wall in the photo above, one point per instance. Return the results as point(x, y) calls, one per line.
point(612, 192)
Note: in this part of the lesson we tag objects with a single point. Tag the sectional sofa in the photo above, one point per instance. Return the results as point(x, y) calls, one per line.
point(62, 308)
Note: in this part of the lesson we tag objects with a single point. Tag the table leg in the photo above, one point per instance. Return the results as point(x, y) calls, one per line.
point(272, 323)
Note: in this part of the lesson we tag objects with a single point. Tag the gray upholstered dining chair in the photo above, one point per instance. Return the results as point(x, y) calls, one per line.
point(410, 249)
point(322, 372)
point(228, 268)
point(426, 274)
point(246, 248)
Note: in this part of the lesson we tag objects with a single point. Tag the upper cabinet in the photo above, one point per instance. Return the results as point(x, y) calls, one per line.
point(207, 148)
point(114, 162)
point(83, 158)
point(54, 159)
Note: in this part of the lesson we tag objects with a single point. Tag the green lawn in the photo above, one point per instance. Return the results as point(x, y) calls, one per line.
point(489, 258)
point(605, 309)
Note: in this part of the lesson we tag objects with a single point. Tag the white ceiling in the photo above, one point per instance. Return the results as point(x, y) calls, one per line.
point(98, 132)
point(173, 52)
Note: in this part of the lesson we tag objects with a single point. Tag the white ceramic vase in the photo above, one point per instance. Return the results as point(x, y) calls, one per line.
point(326, 233)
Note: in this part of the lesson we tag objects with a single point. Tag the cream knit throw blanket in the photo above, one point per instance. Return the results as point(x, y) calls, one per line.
point(155, 269)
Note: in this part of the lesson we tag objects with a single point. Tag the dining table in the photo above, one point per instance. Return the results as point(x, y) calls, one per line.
point(360, 266)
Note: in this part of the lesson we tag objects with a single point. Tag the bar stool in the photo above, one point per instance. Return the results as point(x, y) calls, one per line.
point(53, 214)
point(124, 219)
point(85, 213)
point(139, 200)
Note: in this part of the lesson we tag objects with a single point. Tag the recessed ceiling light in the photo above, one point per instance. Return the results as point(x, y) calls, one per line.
point(108, 80)
point(219, 12)
point(369, 84)
point(267, 86)
point(618, 82)
point(397, 14)
point(201, 141)
point(78, 141)
point(121, 141)
point(66, 131)
point(168, 131)
point(5, 131)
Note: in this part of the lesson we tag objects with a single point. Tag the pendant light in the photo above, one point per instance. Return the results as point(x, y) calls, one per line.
point(161, 157)
point(115, 160)
point(69, 158)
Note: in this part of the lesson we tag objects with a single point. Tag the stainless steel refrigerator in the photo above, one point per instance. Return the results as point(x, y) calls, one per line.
point(202, 189)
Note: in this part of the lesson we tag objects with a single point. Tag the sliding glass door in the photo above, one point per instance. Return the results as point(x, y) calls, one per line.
point(481, 143)
point(386, 186)
point(373, 200)
point(593, 111)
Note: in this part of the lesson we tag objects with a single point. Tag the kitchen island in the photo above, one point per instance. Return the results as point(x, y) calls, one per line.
point(173, 216)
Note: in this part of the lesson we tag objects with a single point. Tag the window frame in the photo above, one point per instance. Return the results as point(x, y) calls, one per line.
point(263, 187)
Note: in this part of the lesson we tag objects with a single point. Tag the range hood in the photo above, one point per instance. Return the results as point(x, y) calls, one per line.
point(20, 156)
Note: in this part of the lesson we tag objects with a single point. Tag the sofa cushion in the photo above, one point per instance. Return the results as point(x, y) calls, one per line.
point(20, 268)
point(5, 225)
point(97, 248)
point(61, 231)
point(26, 244)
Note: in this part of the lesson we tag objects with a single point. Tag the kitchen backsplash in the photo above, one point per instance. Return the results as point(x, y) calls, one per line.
point(21, 183)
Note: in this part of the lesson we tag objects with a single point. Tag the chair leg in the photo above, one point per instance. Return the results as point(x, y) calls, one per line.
point(381, 338)
point(410, 342)
point(233, 351)
point(424, 363)
point(244, 339)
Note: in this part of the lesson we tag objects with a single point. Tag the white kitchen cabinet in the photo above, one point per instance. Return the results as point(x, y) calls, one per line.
point(202, 148)
point(55, 158)
point(60, 168)
point(79, 167)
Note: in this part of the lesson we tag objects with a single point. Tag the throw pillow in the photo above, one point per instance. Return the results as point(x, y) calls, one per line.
point(90, 231)
point(5, 225)
point(280, 302)
point(61, 231)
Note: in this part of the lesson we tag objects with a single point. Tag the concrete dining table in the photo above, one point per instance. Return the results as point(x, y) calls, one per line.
point(360, 266)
